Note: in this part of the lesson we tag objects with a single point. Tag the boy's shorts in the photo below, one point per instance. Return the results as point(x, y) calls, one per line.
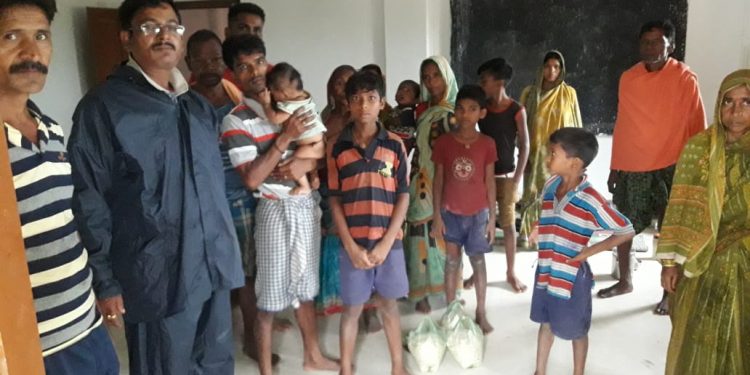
point(507, 196)
point(469, 232)
point(569, 319)
point(388, 280)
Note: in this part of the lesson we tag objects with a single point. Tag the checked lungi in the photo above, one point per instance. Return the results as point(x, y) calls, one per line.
point(287, 241)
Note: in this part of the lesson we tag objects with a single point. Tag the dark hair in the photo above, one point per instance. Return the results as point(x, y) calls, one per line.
point(341, 69)
point(554, 55)
point(577, 143)
point(48, 7)
point(472, 92)
point(283, 71)
point(498, 68)
point(375, 68)
point(666, 26)
point(237, 45)
point(412, 85)
point(201, 36)
point(364, 80)
point(249, 8)
point(129, 8)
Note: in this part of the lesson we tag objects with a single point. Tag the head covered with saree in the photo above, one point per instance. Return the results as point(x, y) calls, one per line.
point(451, 86)
point(691, 223)
point(536, 92)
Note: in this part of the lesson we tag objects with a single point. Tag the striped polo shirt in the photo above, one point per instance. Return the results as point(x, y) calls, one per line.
point(60, 278)
point(368, 182)
point(565, 227)
point(247, 134)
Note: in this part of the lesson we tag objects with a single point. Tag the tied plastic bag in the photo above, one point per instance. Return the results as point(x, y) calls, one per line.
point(466, 343)
point(452, 316)
point(427, 345)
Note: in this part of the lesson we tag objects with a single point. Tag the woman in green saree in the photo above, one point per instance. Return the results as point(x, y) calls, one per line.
point(551, 104)
point(705, 242)
point(425, 256)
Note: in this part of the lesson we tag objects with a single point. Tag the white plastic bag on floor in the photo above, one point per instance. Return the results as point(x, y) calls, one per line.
point(452, 316)
point(466, 343)
point(427, 345)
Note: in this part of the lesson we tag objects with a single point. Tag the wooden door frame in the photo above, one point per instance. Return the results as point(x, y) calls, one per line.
point(205, 4)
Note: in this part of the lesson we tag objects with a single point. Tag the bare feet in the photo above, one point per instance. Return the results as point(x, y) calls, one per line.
point(621, 287)
point(516, 284)
point(321, 363)
point(469, 283)
point(662, 308)
point(423, 306)
point(281, 324)
point(399, 371)
point(369, 321)
point(251, 351)
point(483, 323)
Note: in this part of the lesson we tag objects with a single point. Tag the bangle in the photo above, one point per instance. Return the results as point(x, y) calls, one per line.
point(276, 146)
point(668, 263)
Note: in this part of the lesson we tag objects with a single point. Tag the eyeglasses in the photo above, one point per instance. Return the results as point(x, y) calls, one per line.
point(150, 28)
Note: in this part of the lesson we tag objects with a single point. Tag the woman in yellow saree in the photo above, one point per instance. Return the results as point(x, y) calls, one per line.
point(551, 104)
point(705, 242)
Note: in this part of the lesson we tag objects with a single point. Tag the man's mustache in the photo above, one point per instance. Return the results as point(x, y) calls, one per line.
point(26, 66)
point(163, 43)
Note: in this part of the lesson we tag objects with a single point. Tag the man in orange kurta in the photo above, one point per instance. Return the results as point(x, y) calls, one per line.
point(659, 109)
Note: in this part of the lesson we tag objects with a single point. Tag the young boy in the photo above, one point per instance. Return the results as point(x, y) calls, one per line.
point(464, 189)
point(571, 211)
point(506, 124)
point(368, 184)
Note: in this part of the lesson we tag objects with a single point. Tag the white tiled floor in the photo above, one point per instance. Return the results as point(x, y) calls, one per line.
point(625, 337)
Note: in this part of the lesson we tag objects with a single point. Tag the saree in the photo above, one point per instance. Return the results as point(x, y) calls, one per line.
point(547, 111)
point(425, 256)
point(707, 231)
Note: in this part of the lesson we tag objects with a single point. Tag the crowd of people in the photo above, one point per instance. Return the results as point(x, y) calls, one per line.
point(177, 195)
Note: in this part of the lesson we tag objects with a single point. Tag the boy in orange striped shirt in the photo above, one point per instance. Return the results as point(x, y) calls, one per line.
point(368, 183)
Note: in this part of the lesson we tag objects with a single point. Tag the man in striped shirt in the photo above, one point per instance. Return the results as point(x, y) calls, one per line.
point(571, 212)
point(72, 336)
point(287, 227)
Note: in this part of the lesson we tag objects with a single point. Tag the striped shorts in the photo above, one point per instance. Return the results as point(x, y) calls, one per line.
point(287, 242)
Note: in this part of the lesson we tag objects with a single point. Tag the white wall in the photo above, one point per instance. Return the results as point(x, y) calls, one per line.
point(67, 79)
point(718, 42)
point(316, 36)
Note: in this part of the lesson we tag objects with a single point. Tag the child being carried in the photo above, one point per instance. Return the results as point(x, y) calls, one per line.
point(287, 95)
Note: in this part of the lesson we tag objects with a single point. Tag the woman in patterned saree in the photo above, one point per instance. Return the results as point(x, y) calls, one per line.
point(705, 242)
point(425, 256)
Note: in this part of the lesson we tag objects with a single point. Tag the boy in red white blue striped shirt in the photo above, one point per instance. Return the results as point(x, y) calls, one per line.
point(571, 211)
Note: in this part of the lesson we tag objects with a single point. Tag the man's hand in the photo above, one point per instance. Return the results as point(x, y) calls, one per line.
point(296, 124)
point(670, 277)
point(112, 308)
point(378, 254)
point(612, 181)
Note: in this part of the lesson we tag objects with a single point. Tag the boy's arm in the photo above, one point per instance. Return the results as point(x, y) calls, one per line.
point(523, 146)
point(612, 241)
point(438, 229)
point(357, 254)
point(383, 247)
point(489, 180)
